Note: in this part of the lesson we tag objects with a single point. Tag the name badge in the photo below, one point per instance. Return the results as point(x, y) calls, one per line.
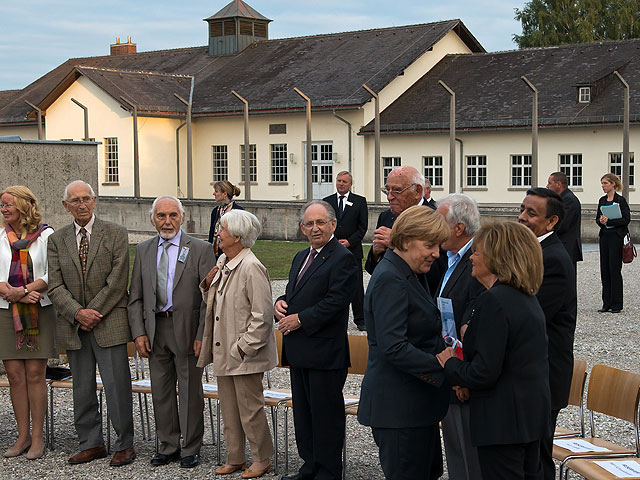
point(183, 254)
point(348, 203)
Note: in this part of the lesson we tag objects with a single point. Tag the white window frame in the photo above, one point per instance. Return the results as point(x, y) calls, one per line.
point(388, 164)
point(571, 165)
point(520, 170)
point(433, 170)
point(253, 163)
point(584, 95)
point(220, 162)
point(476, 175)
point(111, 168)
point(278, 158)
point(615, 167)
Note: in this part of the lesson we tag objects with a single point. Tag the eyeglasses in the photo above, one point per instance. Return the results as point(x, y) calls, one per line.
point(7, 205)
point(77, 201)
point(317, 223)
point(395, 190)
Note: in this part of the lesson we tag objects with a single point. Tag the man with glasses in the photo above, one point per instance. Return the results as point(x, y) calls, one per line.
point(88, 276)
point(404, 189)
point(312, 316)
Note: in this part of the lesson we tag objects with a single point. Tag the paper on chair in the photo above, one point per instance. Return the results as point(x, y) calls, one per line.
point(209, 387)
point(277, 395)
point(142, 383)
point(621, 469)
point(577, 445)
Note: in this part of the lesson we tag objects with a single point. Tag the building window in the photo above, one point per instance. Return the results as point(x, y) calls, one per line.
point(520, 170)
point(111, 160)
point(278, 162)
point(220, 163)
point(253, 163)
point(322, 162)
point(388, 164)
point(615, 166)
point(476, 170)
point(433, 170)
point(584, 94)
point(571, 166)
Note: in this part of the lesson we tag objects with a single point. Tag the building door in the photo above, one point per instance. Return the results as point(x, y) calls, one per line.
point(322, 169)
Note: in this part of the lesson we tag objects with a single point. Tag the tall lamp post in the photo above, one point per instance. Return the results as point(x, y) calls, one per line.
point(377, 182)
point(309, 162)
point(452, 137)
point(247, 160)
point(625, 138)
point(534, 132)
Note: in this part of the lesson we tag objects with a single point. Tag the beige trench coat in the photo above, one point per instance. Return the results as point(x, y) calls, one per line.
point(239, 313)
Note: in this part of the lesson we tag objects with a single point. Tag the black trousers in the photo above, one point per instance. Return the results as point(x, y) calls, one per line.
point(511, 462)
point(546, 450)
point(319, 420)
point(357, 303)
point(611, 270)
point(409, 453)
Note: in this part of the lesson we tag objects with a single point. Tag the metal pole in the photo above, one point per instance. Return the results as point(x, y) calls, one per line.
point(348, 136)
point(86, 118)
point(534, 132)
point(452, 137)
point(189, 147)
point(39, 112)
point(136, 155)
point(179, 190)
point(309, 162)
point(247, 160)
point(461, 164)
point(625, 138)
point(377, 180)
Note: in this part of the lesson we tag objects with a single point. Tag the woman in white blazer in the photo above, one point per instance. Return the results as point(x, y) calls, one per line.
point(27, 318)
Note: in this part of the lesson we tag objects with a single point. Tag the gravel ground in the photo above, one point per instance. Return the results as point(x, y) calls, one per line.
point(600, 338)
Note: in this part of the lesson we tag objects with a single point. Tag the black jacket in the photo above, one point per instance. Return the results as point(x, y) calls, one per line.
point(569, 228)
point(354, 222)
point(621, 224)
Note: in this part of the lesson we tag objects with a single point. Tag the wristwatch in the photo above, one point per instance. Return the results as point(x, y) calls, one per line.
point(26, 292)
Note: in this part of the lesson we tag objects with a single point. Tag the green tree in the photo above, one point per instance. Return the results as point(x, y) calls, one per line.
point(556, 22)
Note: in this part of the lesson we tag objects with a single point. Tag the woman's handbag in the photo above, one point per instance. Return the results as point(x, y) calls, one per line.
point(628, 250)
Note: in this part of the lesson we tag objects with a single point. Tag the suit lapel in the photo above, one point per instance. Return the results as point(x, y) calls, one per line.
point(317, 262)
point(185, 240)
point(97, 234)
point(463, 264)
point(72, 246)
point(150, 262)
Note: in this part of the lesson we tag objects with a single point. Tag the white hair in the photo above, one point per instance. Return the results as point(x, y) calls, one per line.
point(462, 209)
point(162, 197)
point(331, 213)
point(65, 196)
point(243, 224)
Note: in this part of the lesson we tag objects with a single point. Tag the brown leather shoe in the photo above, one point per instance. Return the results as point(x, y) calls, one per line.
point(258, 471)
point(226, 469)
point(123, 457)
point(88, 455)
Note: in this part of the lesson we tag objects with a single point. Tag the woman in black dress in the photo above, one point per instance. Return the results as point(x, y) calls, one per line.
point(612, 233)
point(223, 192)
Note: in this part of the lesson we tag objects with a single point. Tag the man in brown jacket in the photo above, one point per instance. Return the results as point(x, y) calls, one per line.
point(88, 274)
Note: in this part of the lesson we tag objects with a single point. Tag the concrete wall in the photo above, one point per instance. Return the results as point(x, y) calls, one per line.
point(280, 220)
point(46, 168)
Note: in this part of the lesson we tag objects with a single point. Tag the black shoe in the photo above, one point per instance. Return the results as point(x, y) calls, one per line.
point(189, 461)
point(361, 327)
point(162, 459)
point(294, 476)
point(616, 310)
point(604, 310)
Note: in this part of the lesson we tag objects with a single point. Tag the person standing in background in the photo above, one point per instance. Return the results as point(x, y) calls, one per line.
point(223, 192)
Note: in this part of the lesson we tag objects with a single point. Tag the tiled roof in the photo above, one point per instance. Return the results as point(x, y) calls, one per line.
point(329, 68)
point(490, 93)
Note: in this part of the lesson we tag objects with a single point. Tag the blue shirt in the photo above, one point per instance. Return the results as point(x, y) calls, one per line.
point(172, 251)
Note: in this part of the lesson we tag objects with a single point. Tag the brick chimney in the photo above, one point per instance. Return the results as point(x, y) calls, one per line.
point(123, 48)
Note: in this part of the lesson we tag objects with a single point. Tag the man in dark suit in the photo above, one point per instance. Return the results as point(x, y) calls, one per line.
point(166, 314)
point(541, 211)
point(353, 221)
point(88, 275)
point(461, 289)
point(428, 199)
point(404, 189)
point(569, 229)
point(312, 315)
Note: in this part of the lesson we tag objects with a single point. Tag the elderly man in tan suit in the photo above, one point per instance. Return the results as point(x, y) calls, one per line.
point(166, 314)
point(88, 273)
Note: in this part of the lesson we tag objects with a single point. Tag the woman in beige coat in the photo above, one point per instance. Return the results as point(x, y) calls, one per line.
point(239, 339)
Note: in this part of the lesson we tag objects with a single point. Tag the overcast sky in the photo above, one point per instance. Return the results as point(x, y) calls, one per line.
point(38, 35)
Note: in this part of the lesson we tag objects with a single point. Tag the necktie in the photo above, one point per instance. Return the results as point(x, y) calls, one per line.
point(340, 206)
point(83, 250)
point(163, 272)
point(312, 255)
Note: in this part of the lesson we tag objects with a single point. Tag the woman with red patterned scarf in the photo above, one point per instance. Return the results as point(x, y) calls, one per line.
point(27, 319)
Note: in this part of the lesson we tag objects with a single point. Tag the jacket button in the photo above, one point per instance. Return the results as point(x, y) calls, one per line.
point(217, 319)
point(217, 344)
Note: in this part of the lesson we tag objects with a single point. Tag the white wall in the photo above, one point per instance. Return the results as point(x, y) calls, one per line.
point(25, 133)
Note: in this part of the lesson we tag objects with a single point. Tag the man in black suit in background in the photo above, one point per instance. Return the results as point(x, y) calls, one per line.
point(463, 217)
point(353, 221)
point(404, 188)
point(312, 316)
point(541, 211)
point(428, 199)
point(569, 229)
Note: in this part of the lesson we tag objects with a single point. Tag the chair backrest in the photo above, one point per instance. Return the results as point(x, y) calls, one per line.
point(359, 353)
point(131, 350)
point(614, 392)
point(279, 346)
point(578, 382)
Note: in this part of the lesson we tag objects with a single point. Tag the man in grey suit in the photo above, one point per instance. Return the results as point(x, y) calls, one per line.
point(88, 273)
point(166, 314)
